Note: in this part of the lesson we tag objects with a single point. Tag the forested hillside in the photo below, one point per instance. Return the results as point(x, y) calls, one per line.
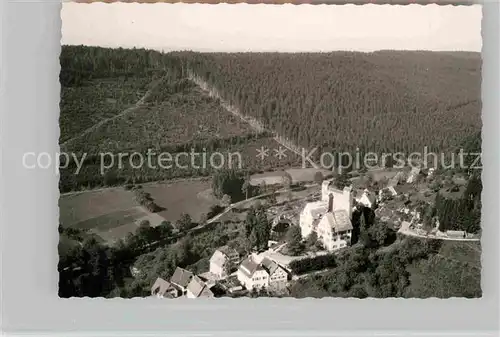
point(383, 101)
point(136, 99)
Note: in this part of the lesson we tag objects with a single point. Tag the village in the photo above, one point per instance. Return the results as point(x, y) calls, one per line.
point(325, 217)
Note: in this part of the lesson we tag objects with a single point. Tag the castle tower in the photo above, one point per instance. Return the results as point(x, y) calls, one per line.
point(343, 198)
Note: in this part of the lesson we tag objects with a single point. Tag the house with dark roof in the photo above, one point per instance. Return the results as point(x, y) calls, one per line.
point(197, 288)
point(181, 278)
point(333, 201)
point(252, 274)
point(335, 228)
point(223, 261)
point(164, 289)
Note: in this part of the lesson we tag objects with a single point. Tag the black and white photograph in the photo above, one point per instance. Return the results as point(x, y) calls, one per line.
point(248, 151)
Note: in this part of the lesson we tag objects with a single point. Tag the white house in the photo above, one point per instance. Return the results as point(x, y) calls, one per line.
point(252, 274)
point(222, 261)
point(335, 228)
point(367, 199)
point(310, 216)
point(314, 211)
point(331, 217)
point(197, 288)
point(278, 276)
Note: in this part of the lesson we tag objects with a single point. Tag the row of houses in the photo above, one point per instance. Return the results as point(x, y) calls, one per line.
point(183, 283)
point(254, 272)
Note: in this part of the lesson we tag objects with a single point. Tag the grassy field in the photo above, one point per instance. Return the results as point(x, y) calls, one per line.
point(77, 209)
point(454, 272)
point(113, 213)
point(186, 196)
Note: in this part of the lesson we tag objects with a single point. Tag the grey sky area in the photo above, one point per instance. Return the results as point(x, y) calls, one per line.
point(285, 28)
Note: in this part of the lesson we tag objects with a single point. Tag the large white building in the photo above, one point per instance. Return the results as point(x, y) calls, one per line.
point(331, 217)
point(252, 275)
point(257, 273)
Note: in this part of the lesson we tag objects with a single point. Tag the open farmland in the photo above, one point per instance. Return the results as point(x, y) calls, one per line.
point(183, 196)
point(112, 213)
point(109, 213)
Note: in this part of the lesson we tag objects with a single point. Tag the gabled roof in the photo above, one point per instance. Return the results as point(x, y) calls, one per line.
point(318, 212)
point(371, 197)
point(249, 266)
point(162, 286)
point(396, 179)
point(181, 277)
point(207, 292)
point(339, 220)
point(196, 286)
point(269, 265)
point(316, 209)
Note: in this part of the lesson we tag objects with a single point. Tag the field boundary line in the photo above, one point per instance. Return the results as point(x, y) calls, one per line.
point(94, 127)
point(254, 123)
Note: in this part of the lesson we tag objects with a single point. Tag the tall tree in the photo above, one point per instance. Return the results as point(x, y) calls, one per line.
point(294, 240)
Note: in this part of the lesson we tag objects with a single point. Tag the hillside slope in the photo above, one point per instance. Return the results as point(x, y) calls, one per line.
point(382, 101)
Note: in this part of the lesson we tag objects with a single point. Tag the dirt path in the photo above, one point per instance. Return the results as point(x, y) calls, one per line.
point(94, 127)
point(239, 203)
point(254, 123)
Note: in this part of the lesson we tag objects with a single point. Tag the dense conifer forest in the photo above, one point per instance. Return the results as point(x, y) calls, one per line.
point(385, 101)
